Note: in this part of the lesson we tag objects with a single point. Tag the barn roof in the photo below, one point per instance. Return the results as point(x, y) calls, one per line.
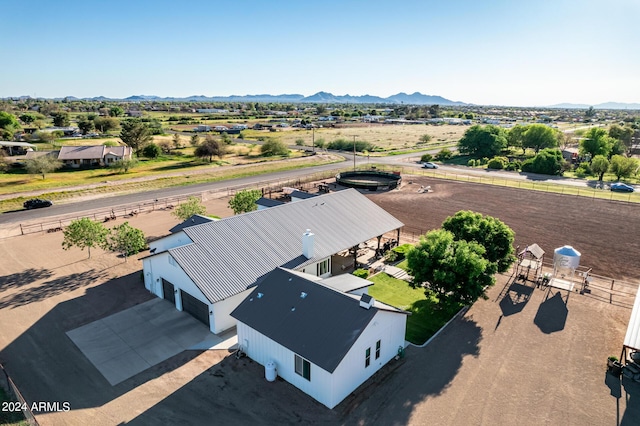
point(196, 219)
point(229, 255)
point(268, 202)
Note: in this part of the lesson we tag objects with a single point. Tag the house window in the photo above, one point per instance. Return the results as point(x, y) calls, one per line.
point(303, 367)
point(322, 267)
point(367, 357)
point(378, 349)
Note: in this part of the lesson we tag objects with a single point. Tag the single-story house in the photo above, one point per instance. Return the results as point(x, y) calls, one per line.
point(321, 340)
point(93, 155)
point(208, 269)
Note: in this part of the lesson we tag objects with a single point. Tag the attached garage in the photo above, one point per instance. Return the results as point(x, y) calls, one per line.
point(196, 308)
point(168, 291)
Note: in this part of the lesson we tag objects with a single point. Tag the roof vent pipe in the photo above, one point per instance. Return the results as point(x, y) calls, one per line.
point(307, 244)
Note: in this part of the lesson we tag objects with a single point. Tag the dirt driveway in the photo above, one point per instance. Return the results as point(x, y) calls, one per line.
point(543, 364)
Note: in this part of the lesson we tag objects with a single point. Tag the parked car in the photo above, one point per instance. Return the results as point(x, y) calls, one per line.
point(36, 203)
point(621, 187)
point(429, 165)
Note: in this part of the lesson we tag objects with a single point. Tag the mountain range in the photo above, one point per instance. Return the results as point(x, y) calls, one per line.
point(605, 105)
point(319, 98)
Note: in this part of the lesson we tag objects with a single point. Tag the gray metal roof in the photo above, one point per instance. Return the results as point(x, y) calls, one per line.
point(86, 152)
point(196, 219)
point(268, 202)
point(346, 282)
point(292, 311)
point(229, 255)
point(22, 144)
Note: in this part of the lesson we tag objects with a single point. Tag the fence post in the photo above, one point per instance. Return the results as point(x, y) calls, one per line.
point(21, 230)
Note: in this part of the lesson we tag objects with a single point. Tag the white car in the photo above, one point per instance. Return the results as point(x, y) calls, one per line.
point(429, 165)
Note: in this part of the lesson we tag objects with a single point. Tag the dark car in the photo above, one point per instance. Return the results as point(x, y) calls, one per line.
point(621, 187)
point(37, 203)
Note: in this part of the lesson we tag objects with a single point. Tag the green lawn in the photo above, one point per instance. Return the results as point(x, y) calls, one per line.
point(427, 316)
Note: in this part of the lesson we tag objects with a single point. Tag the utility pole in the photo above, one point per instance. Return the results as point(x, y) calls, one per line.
point(354, 153)
point(313, 138)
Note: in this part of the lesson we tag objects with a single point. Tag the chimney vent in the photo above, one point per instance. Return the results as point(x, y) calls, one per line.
point(366, 301)
point(307, 244)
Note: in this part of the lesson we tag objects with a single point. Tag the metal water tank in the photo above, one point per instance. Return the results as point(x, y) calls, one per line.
point(270, 371)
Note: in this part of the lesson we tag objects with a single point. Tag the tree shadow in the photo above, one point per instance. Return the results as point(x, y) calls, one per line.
point(515, 299)
point(386, 398)
point(23, 278)
point(552, 313)
point(50, 288)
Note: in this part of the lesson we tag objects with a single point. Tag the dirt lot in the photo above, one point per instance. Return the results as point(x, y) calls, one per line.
point(541, 362)
point(604, 232)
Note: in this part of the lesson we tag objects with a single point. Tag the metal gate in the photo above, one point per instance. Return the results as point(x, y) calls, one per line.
point(196, 308)
point(168, 290)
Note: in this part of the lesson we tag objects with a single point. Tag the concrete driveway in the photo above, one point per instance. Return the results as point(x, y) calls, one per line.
point(127, 343)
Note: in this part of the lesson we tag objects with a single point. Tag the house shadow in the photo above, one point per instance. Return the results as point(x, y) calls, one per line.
point(237, 392)
point(515, 299)
point(629, 391)
point(47, 366)
point(552, 313)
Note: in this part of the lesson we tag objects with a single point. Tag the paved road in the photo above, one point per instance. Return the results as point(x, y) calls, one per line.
point(407, 160)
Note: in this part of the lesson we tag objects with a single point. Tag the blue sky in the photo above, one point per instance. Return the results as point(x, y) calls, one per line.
point(500, 52)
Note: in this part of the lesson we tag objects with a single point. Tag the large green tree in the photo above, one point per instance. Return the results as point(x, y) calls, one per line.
point(61, 119)
point(124, 239)
point(596, 142)
point(491, 233)
point(124, 165)
point(84, 233)
point(454, 269)
point(135, 134)
point(483, 141)
point(274, 147)
point(622, 166)
point(211, 147)
point(539, 136)
point(105, 124)
point(42, 165)
point(9, 125)
point(190, 207)
point(245, 201)
point(599, 166)
point(546, 162)
point(515, 136)
point(624, 135)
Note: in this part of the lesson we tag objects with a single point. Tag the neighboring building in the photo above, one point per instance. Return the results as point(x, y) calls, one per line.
point(207, 270)
point(301, 195)
point(67, 131)
point(93, 155)
point(321, 340)
point(265, 203)
point(17, 148)
point(196, 219)
point(202, 128)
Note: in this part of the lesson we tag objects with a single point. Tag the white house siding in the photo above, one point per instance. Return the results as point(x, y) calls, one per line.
point(158, 267)
point(222, 311)
point(312, 269)
point(389, 328)
point(262, 349)
point(170, 241)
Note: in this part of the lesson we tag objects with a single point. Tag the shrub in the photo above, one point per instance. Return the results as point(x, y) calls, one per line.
point(152, 151)
point(497, 163)
point(444, 154)
point(548, 162)
point(391, 256)
point(513, 165)
point(484, 161)
point(361, 273)
point(426, 158)
point(402, 250)
point(583, 170)
point(346, 145)
point(274, 147)
point(471, 163)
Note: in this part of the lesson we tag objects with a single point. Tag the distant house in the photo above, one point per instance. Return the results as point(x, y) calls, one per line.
point(133, 113)
point(67, 131)
point(202, 128)
point(322, 340)
point(93, 155)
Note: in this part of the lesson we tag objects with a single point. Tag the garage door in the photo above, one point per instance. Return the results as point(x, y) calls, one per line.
point(199, 310)
point(168, 291)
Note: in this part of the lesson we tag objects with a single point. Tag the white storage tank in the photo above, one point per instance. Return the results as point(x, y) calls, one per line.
point(566, 257)
point(270, 371)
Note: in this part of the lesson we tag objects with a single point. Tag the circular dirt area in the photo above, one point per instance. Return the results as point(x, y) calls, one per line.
point(605, 232)
point(371, 180)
